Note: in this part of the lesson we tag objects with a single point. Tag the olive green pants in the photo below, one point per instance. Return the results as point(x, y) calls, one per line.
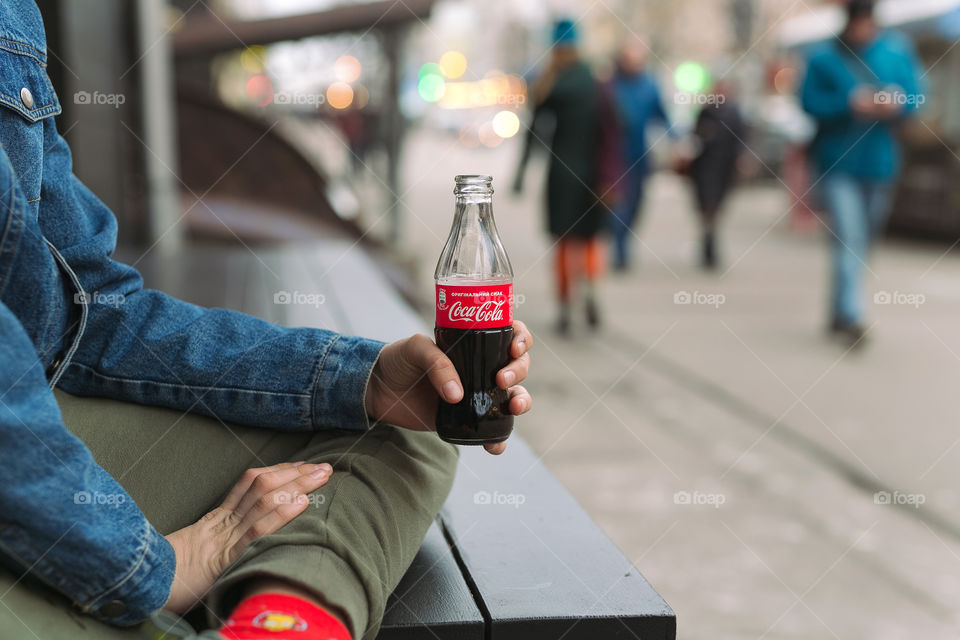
point(351, 546)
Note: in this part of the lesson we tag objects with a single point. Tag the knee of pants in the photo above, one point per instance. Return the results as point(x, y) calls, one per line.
point(384, 494)
point(388, 472)
point(367, 522)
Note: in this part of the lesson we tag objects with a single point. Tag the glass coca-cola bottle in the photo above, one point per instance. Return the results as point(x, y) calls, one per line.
point(474, 302)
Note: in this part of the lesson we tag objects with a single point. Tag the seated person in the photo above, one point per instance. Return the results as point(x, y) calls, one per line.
point(282, 478)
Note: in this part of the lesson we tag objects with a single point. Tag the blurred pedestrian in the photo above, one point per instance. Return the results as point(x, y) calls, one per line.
point(579, 169)
point(357, 128)
point(638, 104)
point(859, 88)
point(718, 140)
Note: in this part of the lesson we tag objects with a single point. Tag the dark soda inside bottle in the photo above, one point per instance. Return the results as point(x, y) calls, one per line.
point(483, 416)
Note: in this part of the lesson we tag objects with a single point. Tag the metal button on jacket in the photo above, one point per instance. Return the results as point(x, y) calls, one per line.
point(26, 97)
point(113, 609)
point(52, 369)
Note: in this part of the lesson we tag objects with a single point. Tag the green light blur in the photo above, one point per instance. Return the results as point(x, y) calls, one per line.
point(431, 87)
point(429, 69)
point(691, 77)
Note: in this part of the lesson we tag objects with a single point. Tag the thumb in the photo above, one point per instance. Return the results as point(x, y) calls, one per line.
point(439, 369)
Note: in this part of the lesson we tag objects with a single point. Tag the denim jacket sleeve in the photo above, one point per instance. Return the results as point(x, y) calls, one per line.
point(144, 346)
point(63, 519)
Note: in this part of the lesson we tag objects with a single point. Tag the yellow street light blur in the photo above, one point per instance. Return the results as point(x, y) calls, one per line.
point(339, 95)
point(453, 64)
point(506, 124)
point(347, 69)
point(251, 58)
point(499, 90)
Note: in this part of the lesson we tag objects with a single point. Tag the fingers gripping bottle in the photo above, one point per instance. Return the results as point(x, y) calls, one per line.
point(474, 301)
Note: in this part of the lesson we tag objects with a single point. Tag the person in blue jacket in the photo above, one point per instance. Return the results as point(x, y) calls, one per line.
point(638, 104)
point(858, 87)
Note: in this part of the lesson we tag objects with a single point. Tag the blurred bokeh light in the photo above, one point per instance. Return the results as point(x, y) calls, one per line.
point(453, 64)
point(506, 124)
point(339, 95)
point(347, 69)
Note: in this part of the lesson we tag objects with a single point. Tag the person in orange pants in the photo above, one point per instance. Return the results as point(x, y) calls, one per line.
point(583, 169)
point(579, 261)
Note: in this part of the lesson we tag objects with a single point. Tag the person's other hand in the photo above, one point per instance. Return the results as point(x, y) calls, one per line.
point(861, 102)
point(262, 501)
point(411, 373)
point(869, 103)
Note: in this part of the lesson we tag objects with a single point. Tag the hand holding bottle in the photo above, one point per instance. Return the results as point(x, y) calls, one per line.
point(411, 376)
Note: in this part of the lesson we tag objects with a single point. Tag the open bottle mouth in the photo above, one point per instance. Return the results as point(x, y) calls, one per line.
point(473, 184)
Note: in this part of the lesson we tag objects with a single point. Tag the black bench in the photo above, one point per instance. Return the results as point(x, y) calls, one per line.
point(512, 555)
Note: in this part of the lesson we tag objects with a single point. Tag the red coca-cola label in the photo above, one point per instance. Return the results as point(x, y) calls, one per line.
point(474, 306)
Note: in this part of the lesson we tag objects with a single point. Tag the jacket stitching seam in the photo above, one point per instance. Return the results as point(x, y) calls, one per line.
point(322, 361)
point(11, 232)
point(145, 543)
point(84, 313)
point(19, 52)
point(41, 53)
point(34, 116)
point(185, 386)
point(14, 101)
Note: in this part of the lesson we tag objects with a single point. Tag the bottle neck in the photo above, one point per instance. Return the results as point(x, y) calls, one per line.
point(473, 250)
point(473, 208)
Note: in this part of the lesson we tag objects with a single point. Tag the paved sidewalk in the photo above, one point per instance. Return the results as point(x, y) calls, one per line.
point(731, 450)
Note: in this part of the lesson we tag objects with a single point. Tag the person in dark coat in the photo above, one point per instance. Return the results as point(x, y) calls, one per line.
point(579, 177)
point(719, 134)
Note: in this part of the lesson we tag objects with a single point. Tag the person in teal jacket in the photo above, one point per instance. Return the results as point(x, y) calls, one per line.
point(859, 88)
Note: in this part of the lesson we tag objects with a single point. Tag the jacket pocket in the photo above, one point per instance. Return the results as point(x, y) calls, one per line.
point(27, 99)
point(24, 85)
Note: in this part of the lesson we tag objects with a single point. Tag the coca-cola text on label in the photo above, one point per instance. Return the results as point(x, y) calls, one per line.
point(480, 307)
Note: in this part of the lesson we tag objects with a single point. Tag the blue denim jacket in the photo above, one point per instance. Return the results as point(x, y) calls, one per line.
point(72, 317)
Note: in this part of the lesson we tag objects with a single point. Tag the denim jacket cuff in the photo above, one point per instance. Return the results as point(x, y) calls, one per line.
point(144, 590)
point(341, 385)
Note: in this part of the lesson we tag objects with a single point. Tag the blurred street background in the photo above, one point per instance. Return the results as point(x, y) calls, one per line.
point(768, 480)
